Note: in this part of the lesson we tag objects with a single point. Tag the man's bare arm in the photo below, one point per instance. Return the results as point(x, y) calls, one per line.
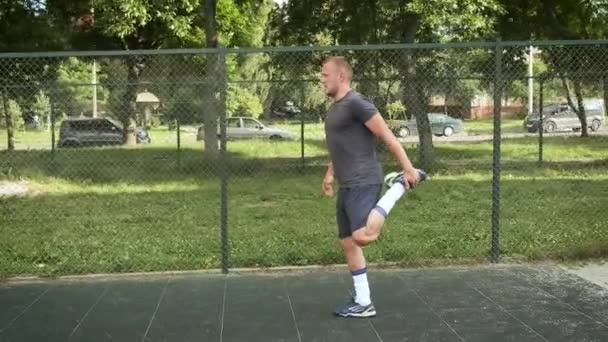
point(328, 180)
point(378, 126)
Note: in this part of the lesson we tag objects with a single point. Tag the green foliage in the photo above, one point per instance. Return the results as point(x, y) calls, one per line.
point(42, 107)
point(383, 21)
point(185, 105)
point(560, 19)
point(42, 104)
point(25, 27)
point(145, 24)
point(15, 114)
point(242, 23)
point(155, 121)
point(395, 110)
point(455, 20)
point(575, 72)
point(75, 91)
point(241, 101)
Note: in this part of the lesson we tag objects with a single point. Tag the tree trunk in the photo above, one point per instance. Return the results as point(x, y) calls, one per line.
point(567, 91)
point(414, 95)
point(210, 115)
point(582, 116)
point(367, 82)
point(9, 124)
point(128, 114)
point(605, 86)
point(416, 103)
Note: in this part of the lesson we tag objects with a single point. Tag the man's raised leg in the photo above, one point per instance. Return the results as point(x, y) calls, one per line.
point(375, 221)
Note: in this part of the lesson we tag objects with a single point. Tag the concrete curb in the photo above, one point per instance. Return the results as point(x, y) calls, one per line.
point(261, 271)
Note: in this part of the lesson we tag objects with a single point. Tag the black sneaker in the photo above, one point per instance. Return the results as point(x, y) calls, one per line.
point(354, 309)
point(399, 177)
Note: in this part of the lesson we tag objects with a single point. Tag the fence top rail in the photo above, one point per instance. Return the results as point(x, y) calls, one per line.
point(288, 49)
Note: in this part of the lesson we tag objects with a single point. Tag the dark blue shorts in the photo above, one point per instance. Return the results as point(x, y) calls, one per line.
point(353, 207)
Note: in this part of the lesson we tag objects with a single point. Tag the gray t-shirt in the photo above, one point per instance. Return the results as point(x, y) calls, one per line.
point(351, 144)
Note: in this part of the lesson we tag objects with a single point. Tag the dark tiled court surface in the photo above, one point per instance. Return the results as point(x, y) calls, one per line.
point(488, 303)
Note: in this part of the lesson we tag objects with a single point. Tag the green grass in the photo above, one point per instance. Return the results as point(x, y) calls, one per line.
point(486, 126)
point(145, 209)
point(28, 139)
point(556, 149)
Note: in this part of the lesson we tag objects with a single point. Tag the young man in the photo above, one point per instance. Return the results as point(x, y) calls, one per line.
point(351, 127)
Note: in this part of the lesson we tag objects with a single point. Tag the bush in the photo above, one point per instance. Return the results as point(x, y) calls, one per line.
point(154, 121)
point(395, 109)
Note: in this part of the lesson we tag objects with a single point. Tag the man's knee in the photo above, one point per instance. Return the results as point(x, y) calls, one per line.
point(361, 238)
point(348, 244)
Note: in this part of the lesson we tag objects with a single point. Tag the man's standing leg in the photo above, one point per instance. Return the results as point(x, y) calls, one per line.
point(358, 270)
point(361, 304)
point(351, 203)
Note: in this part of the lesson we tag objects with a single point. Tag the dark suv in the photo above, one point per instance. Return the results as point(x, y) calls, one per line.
point(95, 131)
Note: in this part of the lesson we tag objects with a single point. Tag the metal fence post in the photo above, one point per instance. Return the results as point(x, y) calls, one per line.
point(498, 82)
point(179, 144)
point(10, 143)
point(302, 131)
point(53, 108)
point(605, 92)
point(541, 124)
point(223, 162)
point(302, 162)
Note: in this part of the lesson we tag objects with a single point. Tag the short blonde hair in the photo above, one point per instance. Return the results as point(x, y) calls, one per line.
point(341, 63)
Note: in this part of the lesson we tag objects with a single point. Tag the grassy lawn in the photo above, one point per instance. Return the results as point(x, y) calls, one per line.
point(486, 126)
point(28, 139)
point(146, 209)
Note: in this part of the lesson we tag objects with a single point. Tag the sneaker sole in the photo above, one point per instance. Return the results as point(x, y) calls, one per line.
point(359, 315)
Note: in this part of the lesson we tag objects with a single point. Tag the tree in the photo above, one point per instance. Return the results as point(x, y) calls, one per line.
point(213, 75)
point(9, 122)
point(231, 23)
point(389, 21)
point(74, 77)
point(24, 27)
point(564, 19)
point(42, 107)
point(141, 24)
point(131, 25)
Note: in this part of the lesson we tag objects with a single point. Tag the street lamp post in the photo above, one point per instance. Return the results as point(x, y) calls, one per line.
point(94, 75)
point(532, 50)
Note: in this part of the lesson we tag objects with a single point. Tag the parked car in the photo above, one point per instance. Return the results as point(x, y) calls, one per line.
point(561, 117)
point(289, 110)
point(76, 132)
point(240, 127)
point(441, 125)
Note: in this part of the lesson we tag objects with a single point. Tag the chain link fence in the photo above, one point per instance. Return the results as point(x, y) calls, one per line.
point(198, 159)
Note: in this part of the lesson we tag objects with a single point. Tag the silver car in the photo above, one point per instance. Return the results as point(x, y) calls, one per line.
point(240, 127)
point(561, 117)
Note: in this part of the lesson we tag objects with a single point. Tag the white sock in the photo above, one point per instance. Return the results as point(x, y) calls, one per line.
point(361, 287)
point(392, 195)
